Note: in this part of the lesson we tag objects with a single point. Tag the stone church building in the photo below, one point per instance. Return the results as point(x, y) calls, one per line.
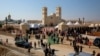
point(53, 19)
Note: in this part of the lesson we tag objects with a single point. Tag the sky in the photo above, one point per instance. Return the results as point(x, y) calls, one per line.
point(32, 9)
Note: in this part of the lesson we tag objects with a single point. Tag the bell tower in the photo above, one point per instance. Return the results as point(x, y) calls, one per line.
point(58, 12)
point(44, 15)
point(44, 12)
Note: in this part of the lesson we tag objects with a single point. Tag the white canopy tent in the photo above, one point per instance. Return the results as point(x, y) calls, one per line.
point(96, 25)
point(34, 26)
point(69, 23)
point(56, 26)
point(77, 23)
point(91, 25)
point(62, 23)
point(40, 25)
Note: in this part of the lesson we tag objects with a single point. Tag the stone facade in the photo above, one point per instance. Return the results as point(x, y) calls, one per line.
point(53, 19)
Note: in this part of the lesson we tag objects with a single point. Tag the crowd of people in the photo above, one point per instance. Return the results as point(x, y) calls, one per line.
point(60, 35)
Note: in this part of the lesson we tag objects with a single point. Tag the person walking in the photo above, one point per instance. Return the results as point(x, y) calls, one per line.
point(38, 43)
point(1, 41)
point(70, 42)
point(54, 40)
point(58, 40)
point(6, 40)
point(77, 49)
point(46, 52)
point(81, 48)
point(62, 40)
point(35, 45)
point(29, 36)
point(49, 45)
point(29, 50)
point(74, 42)
point(89, 44)
point(98, 54)
point(53, 52)
point(30, 44)
point(93, 53)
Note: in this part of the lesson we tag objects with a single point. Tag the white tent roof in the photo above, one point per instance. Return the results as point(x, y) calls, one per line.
point(69, 23)
point(56, 26)
point(34, 26)
point(24, 23)
point(40, 25)
point(96, 24)
point(77, 23)
point(91, 25)
point(62, 23)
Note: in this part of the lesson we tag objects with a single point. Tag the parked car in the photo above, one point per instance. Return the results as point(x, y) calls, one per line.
point(22, 43)
point(96, 42)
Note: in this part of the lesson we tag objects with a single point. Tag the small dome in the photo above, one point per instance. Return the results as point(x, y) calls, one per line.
point(9, 15)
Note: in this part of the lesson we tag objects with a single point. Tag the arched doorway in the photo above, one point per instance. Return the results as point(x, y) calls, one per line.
point(51, 24)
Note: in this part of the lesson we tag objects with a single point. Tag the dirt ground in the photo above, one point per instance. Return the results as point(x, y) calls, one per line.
point(61, 49)
point(7, 52)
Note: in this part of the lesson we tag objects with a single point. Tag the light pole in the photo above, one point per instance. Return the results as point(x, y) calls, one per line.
point(6, 22)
